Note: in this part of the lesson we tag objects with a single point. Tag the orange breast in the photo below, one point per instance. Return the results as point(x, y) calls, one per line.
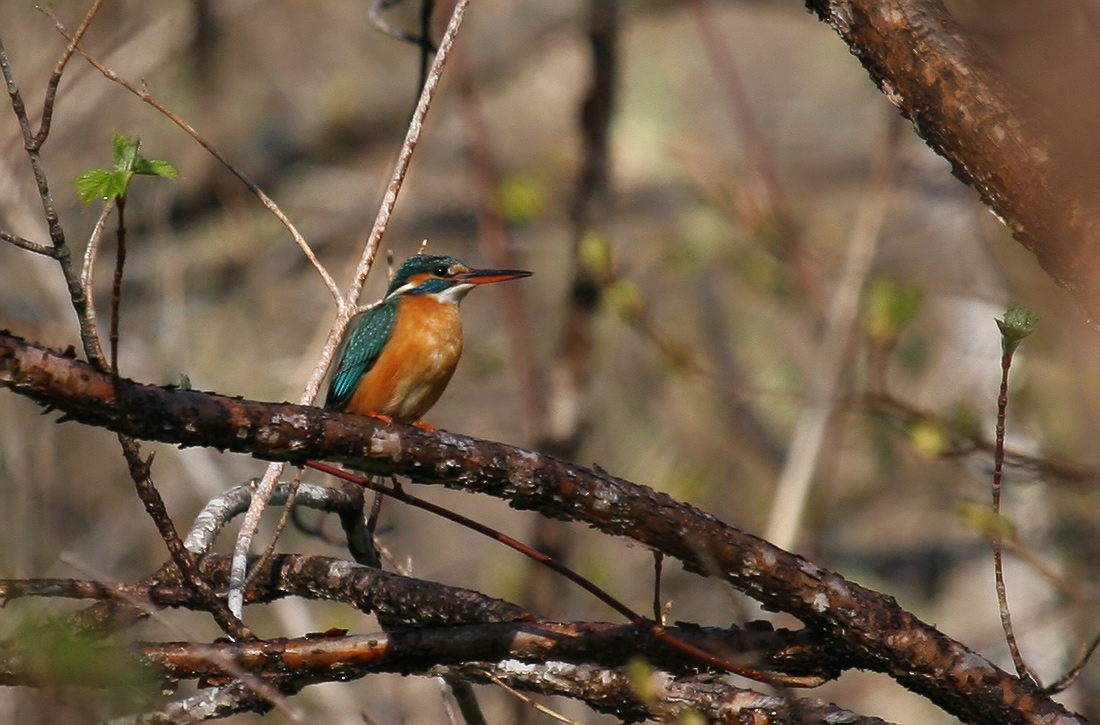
point(416, 364)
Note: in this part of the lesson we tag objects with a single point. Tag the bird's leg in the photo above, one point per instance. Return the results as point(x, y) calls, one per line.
point(380, 416)
point(396, 484)
point(425, 426)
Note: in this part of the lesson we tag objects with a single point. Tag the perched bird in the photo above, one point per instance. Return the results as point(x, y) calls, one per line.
point(401, 354)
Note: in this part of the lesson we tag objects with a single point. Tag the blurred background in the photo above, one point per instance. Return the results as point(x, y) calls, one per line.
point(681, 330)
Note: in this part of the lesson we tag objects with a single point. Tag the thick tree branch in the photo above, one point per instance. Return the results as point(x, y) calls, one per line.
point(943, 82)
point(339, 656)
point(583, 661)
point(667, 699)
point(869, 630)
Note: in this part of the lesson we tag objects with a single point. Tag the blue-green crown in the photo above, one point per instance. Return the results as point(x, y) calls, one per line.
point(438, 265)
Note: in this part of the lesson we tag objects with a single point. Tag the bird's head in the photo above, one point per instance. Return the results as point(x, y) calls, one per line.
point(445, 278)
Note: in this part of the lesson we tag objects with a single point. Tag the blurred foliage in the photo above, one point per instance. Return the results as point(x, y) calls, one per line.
point(703, 350)
point(888, 308)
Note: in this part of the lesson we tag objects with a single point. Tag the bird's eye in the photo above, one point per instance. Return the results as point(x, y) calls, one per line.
point(441, 270)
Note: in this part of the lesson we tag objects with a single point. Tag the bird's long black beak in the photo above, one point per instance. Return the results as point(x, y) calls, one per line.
point(485, 276)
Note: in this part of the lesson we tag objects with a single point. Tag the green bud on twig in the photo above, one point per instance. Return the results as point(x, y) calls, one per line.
point(1017, 324)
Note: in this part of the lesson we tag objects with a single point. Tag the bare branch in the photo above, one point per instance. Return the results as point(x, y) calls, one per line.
point(61, 251)
point(143, 94)
point(87, 274)
point(966, 111)
point(213, 704)
point(55, 78)
point(350, 303)
point(869, 630)
point(827, 375)
point(664, 698)
point(28, 244)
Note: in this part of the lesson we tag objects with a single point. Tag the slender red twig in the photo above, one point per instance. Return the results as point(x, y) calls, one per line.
point(998, 535)
point(116, 284)
point(348, 304)
point(655, 629)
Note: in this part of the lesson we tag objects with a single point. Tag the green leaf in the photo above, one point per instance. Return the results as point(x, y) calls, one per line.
point(928, 439)
point(156, 167)
point(126, 152)
point(521, 199)
point(100, 184)
point(1017, 324)
point(625, 298)
point(888, 307)
point(596, 255)
point(108, 185)
point(979, 518)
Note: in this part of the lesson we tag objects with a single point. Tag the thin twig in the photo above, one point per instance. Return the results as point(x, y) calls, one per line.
point(349, 304)
point(87, 275)
point(654, 628)
point(27, 244)
point(33, 143)
point(997, 534)
point(386, 28)
point(793, 489)
point(116, 283)
point(1074, 672)
point(530, 701)
point(269, 552)
point(49, 102)
point(143, 94)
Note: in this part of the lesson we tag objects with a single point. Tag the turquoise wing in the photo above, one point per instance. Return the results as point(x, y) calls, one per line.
point(360, 352)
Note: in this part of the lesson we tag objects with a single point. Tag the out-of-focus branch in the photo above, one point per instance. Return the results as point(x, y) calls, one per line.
point(590, 220)
point(665, 697)
point(498, 245)
point(792, 239)
point(312, 577)
point(869, 630)
point(337, 656)
point(826, 377)
point(536, 657)
point(917, 54)
point(268, 203)
point(590, 214)
point(966, 442)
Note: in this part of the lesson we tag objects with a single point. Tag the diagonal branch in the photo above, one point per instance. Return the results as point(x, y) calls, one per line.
point(348, 305)
point(871, 630)
point(942, 82)
point(586, 661)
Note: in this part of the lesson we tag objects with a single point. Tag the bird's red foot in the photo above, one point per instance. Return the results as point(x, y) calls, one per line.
point(380, 416)
point(425, 426)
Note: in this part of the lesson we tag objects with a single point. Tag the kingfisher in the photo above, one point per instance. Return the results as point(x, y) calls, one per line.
point(402, 352)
